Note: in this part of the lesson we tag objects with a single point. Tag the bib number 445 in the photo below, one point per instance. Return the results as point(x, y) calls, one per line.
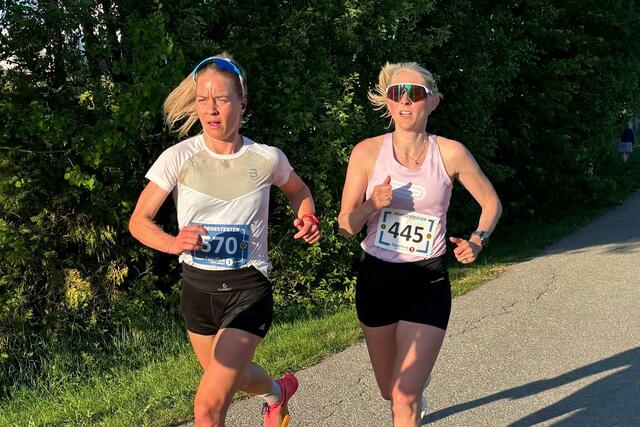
point(413, 234)
point(406, 232)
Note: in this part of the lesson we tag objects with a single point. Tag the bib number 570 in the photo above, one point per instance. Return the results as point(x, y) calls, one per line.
point(217, 243)
point(225, 245)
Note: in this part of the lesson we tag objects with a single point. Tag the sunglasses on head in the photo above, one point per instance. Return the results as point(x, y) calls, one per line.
point(414, 91)
point(221, 63)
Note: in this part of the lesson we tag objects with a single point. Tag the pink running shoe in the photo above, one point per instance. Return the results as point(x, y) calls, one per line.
point(277, 415)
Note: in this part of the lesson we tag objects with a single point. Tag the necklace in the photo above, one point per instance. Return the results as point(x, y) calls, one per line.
point(416, 159)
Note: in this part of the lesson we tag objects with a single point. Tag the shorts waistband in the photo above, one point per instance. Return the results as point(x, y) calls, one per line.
point(434, 265)
point(223, 281)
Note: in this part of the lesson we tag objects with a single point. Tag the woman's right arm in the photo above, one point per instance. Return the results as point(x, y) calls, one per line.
point(143, 228)
point(354, 211)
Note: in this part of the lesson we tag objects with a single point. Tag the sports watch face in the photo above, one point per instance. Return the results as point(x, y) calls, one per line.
point(484, 237)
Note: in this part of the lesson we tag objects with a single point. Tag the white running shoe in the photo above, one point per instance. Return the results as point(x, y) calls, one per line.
point(423, 399)
point(423, 407)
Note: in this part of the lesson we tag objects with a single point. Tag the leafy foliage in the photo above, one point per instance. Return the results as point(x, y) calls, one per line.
point(538, 90)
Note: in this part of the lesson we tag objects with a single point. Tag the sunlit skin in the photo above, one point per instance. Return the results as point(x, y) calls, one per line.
point(225, 357)
point(402, 354)
point(408, 116)
point(220, 108)
point(410, 119)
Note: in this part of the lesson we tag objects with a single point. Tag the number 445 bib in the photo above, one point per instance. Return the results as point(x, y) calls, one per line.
point(406, 232)
point(226, 245)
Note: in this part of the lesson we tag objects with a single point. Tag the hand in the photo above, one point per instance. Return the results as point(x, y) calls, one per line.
point(307, 229)
point(188, 239)
point(382, 194)
point(466, 252)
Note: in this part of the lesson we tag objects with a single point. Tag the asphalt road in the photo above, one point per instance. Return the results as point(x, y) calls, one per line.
point(553, 341)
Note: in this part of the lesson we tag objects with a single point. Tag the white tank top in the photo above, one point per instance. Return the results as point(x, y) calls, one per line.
point(227, 194)
point(399, 235)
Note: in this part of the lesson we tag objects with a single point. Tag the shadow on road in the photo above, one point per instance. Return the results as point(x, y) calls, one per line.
point(611, 400)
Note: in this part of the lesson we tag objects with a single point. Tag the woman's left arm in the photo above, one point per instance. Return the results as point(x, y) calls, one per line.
point(467, 171)
point(301, 200)
point(479, 186)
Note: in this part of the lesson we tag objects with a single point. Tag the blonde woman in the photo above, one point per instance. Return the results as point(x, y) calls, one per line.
point(399, 185)
point(220, 181)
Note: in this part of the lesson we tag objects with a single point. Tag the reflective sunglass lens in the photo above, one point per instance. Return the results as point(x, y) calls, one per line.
point(415, 93)
point(394, 93)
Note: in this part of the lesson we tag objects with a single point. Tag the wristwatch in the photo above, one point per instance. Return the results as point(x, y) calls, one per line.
point(484, 237)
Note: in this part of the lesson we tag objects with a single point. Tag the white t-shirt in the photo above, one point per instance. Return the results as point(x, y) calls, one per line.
point(227, 194)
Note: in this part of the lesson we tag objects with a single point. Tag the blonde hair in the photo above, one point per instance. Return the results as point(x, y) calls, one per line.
point(378, 96)
point(180, 105)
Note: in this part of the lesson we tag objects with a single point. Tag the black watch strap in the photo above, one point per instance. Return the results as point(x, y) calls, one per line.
point(484, 237)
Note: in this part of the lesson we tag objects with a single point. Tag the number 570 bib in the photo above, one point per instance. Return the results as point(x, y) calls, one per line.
point(406, 232)
point(226, 245)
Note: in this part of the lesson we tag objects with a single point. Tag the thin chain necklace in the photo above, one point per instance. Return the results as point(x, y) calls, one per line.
point(416, 159)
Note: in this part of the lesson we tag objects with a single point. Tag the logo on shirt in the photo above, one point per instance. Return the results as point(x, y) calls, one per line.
point(253, 173)
point(224, 288)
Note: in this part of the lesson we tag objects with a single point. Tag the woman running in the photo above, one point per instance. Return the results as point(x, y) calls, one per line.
point(220, 181)
point(399, 184)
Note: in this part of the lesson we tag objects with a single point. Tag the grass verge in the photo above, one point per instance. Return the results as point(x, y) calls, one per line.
point(160, 392)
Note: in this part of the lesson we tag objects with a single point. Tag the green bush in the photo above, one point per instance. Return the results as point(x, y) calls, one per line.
point(537, 90)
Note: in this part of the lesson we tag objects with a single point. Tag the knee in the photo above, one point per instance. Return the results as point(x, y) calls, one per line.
point(404, 405)
point(209, 411)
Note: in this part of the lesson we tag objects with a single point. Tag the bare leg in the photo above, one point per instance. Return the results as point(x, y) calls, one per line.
point(417, 348)
point(255, 379)
point(229, 360)
point(381, 344)
point(202, 346)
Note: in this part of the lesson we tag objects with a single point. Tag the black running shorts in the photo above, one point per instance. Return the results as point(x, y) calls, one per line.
point(213, 300)
point(388, 292)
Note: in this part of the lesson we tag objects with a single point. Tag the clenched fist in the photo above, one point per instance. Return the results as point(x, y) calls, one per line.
point(188, 239)
point(382, 194)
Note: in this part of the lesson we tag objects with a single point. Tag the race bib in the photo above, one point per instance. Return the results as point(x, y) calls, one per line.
point(406, 232)
point(226, 245)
